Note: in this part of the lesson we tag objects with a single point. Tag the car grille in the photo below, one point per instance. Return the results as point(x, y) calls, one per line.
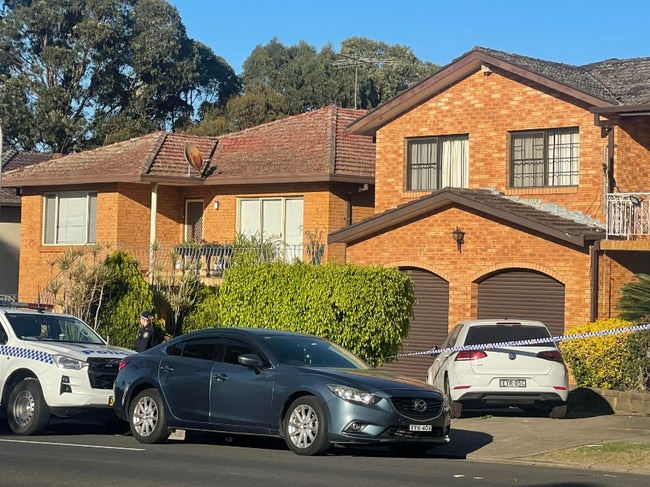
point(417, 408)
point(102, 372)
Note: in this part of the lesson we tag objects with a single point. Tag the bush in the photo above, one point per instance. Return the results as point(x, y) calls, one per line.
point(365, 309)
point(617, 361)
point(204, 314)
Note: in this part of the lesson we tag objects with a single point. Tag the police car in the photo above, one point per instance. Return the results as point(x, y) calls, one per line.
point(52, 364)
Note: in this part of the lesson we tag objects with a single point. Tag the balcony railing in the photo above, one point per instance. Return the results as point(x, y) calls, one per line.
point(211, 260)
point(628, 215)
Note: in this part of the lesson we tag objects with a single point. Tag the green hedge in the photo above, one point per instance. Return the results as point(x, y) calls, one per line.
point(617, 361)
point(365, 309)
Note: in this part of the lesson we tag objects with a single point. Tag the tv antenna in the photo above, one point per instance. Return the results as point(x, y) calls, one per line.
point(354, 61)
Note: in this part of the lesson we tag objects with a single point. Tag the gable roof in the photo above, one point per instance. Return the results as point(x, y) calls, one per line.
point(12, 160)
point(311, 146)
point(308, 147)
point(609, 87)
point(486, 202)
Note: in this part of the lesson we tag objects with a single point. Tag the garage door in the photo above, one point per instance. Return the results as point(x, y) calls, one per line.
point(428, 326)
point(523, 294)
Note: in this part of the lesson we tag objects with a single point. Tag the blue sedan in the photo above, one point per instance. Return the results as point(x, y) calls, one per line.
point(305, 389)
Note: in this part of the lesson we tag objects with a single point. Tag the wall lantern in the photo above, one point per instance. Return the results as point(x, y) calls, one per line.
point(459, 238)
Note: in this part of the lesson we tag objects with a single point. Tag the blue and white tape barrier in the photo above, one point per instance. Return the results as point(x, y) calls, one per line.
point(535, 341)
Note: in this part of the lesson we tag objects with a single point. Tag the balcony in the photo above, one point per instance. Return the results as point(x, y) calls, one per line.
point(628, 221)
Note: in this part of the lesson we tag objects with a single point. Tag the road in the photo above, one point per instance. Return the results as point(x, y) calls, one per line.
point(73, 454)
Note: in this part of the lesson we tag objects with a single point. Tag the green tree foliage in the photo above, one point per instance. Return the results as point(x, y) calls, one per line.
point(127, 296)
point(614, 361)
point(308, 79)
point(76, 74)
point(365, 309)
point(634, 301)
point(205, 313)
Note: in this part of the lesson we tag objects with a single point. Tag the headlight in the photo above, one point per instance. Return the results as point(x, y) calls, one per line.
point(354, 395)
point(64, 362)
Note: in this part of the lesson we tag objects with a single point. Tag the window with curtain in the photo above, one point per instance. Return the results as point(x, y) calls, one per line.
point(437, 162)
point(70, 218)
point(544, 158)
point(278, 220)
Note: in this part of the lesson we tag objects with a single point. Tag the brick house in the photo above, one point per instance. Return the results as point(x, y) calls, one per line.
point(295, 179)
point(10, 220)
point(509, 187)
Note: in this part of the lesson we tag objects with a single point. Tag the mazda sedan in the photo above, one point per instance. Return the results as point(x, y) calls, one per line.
point(305, 389)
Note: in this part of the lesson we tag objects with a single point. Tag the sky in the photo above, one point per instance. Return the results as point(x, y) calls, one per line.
point(567, 31)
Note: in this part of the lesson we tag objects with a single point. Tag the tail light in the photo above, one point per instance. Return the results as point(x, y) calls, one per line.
point(470, 355)
point(552, 355)
point(124, 362)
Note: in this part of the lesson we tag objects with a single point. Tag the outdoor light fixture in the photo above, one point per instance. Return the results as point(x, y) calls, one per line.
point(459, 238)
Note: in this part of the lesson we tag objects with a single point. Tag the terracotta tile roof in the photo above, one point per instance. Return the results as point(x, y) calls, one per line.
point(155, 154)
point(310, 143)
point(12, 160)
point(309, 146)
point(526, 215)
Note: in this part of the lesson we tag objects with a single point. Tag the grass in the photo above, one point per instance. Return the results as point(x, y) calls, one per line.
point(615, 453)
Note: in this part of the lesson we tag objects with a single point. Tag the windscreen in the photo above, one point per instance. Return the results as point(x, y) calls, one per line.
point(479, 335)
point(52, 328)
point(315, 352)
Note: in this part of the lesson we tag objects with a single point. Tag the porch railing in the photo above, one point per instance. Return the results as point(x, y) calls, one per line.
point(628, 215)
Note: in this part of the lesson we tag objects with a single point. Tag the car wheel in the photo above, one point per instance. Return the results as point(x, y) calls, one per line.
point(27, 412)
point(147, 418)
point(456, 408)
point(305, 427)
point(558, 412)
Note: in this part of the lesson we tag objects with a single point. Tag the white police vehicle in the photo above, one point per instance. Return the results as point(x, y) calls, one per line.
point(52, 364)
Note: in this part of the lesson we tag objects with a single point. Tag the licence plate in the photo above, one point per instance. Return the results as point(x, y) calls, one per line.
point(111, 400)
point(512, 382)
point(420, 427)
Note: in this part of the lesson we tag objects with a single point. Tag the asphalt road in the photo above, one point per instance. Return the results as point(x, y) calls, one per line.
point(71, 454)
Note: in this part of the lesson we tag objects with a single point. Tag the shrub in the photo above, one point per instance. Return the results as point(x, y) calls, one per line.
point(365, 309)
point(614, 361)
point(634, 301)
point(204, 314)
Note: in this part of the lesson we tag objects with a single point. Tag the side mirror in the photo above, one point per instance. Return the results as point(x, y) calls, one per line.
point(250, 360)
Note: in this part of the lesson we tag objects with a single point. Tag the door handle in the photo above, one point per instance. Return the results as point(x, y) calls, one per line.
point(167, 368)
point(221, 377)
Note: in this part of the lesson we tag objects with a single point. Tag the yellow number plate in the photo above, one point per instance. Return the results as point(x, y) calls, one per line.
point(111, 400)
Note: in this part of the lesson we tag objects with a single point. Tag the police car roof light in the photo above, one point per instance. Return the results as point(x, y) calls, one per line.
point(36, 306)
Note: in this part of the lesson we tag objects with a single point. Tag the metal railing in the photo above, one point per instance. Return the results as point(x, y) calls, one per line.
point(628, 215)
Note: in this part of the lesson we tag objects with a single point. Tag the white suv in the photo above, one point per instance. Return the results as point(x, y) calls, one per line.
point(52, 364)
point(530, 375)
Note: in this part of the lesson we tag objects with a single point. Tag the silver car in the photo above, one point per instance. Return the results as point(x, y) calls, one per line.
point(308, 390)
point(474, 373)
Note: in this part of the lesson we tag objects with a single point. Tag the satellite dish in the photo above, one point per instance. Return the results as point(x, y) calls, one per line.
point(193, 156)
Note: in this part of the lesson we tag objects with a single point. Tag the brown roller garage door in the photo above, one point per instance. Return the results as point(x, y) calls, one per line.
point(523, 294)
point(428, 326)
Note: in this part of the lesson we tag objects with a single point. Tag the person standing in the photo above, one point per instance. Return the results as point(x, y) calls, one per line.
point(146, 333)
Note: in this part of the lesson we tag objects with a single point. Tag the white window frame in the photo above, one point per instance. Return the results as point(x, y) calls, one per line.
point(70, 226)
point(288, 237)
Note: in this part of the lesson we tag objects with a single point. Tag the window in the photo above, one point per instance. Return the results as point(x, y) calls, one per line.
point(278, 220)
point(544, 158)
point(437, 162)
point(70, 218)
point(193, 219)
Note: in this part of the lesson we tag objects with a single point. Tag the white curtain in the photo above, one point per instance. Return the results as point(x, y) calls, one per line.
point(455, 162)
point(563, 157)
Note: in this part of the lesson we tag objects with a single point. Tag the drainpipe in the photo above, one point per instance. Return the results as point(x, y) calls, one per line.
point(152, 228)
point(594, 271)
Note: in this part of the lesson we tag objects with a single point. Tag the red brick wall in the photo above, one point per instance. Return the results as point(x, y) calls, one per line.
point(487, 108)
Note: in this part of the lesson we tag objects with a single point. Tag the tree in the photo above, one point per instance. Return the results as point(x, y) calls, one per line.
point(634, 301)
point(76, 74)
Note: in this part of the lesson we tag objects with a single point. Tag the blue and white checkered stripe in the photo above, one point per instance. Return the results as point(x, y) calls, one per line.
point(536, 341)
point(26, 353)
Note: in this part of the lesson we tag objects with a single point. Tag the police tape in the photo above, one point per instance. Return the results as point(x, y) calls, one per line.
point(530, 341)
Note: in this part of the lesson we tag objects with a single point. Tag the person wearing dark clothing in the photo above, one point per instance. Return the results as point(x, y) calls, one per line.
point(146, 333)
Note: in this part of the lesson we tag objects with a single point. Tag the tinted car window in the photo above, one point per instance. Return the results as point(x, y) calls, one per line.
point(312, 351)
point(235, 348)
point(478, 335)
point(202, 348)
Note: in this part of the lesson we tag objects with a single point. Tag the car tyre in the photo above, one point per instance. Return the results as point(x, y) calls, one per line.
point(305, 427)
point(27, 411)
point(456, 408)
point(147, 418)
point(558, 412)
